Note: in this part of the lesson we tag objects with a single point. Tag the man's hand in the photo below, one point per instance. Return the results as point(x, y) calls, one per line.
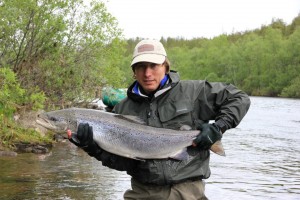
point(210, 133)
point(84, 135)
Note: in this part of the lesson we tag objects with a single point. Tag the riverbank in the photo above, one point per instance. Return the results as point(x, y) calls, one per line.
point(23, 135)
point(26, 148)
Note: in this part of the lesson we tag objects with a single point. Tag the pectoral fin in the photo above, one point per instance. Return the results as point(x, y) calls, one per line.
point(180, 155)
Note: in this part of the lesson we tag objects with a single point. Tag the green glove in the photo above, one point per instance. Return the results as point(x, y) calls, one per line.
point(210, 133)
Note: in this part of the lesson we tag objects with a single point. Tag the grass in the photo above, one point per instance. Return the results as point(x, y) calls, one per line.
point(11, 133)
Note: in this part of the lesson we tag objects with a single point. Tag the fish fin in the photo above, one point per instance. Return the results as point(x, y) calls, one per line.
point(131, 118)
point(217, 148)
point(139, 159)
point(185, 128)
point(132, 157)
point(180, 155)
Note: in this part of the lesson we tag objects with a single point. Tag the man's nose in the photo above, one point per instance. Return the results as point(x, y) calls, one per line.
point(147, 70)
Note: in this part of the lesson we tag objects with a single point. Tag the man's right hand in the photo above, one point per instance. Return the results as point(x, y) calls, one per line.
point(83, 137)
point(84, 140)
point(85, 134)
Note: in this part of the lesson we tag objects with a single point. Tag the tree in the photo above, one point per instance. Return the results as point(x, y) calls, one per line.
point(62, 47)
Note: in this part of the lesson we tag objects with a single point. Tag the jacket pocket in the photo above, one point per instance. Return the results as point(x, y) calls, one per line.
point(175, 114)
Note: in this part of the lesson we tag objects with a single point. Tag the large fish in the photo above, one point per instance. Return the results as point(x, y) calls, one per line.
point(125, 135)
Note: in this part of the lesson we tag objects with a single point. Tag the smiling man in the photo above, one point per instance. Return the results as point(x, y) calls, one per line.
point(162, 100)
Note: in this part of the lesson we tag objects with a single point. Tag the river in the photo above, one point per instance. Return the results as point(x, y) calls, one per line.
point(262, 162)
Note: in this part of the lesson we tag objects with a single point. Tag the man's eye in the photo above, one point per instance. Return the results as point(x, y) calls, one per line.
point(140, 66)
point(153, 65)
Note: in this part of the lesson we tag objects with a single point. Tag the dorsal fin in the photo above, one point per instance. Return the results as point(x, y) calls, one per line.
point(131, 118)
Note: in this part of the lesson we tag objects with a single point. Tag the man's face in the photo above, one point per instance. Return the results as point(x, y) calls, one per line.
point(149, 75)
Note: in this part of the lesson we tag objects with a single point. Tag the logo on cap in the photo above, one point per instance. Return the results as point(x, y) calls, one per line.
point(145, 47)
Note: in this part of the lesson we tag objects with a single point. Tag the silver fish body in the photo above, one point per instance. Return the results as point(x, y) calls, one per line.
point(123, 135)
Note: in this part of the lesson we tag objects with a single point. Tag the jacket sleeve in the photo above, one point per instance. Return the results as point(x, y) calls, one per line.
point(229, 103)
point(110, 160)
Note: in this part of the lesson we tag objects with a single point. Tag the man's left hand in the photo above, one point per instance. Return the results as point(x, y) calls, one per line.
point(210, 133)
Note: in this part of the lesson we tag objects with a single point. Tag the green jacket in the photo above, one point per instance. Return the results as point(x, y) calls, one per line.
point(180, 103)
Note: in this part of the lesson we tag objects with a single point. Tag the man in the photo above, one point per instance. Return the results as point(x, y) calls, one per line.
point(162, 100)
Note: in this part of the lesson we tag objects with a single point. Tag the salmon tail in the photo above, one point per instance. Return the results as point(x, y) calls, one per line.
point(217, 148)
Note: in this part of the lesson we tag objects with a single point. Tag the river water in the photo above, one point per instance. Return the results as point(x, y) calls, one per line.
point(262, 162)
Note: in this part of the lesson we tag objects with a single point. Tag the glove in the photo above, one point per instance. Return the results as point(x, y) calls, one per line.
point(210, 133)
point(85, 134)
point(84, 140)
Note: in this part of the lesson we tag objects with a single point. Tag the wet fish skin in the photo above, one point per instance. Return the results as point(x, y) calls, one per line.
point(124, 135)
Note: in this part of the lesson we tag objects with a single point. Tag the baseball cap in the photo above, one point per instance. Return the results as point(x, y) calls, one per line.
point(149, 51)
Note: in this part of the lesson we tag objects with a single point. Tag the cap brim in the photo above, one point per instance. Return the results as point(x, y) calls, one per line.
point(153, 58)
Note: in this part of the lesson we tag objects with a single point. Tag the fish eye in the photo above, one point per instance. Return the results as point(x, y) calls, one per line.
point(53, 119)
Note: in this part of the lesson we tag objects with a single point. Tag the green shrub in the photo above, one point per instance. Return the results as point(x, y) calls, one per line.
point(11, 94)
point(292, 90)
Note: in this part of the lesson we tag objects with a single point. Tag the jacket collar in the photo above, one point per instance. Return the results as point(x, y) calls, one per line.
point(134, 93)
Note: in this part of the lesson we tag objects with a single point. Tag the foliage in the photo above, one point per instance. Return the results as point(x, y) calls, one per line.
point(11, 94)
point(293, 89)
point(66, 48)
